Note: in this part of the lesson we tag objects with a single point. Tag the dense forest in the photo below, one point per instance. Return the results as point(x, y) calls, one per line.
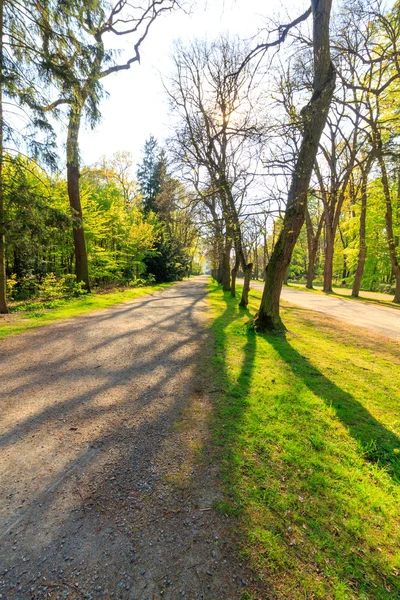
point(252, 183)
point(136, 231)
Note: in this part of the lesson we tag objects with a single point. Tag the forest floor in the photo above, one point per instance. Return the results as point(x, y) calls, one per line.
point(384, 320)
point(108, 486)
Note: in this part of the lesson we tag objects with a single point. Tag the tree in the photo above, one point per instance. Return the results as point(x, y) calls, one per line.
point(217, 137)
point(88, 62)
point(149, 173)
point(20, 123)
point(365, 167)
point(314, 116)
point(166, 198)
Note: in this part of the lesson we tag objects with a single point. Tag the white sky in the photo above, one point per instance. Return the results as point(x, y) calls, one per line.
point(137, 105)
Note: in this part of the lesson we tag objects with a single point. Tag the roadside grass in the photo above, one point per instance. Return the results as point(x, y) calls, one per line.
point(42, 313)
point(307, 426)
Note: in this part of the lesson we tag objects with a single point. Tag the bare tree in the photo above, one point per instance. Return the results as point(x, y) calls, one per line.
point(374, 46)
point(314, 116)
point(216, 137)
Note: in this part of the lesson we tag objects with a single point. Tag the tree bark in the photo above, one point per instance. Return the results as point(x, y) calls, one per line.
point(312, 243)
point(220, 269)
point(362, 254)
point(226, 266)
point(3, 276)
point(73, 175)
point(246, 285)
point(234, 274)
point(389, 219)
point(314, 119)
point(329, 251)
point(396, 298)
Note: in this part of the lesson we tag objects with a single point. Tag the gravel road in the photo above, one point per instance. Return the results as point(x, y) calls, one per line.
point(381, 319)
point(104, 490)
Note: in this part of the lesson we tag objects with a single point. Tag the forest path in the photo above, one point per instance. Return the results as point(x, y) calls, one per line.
point(103, 494)
point(381, 319)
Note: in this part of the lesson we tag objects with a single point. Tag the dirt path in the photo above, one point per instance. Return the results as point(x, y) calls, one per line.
point(102, 491)
point(382, 319)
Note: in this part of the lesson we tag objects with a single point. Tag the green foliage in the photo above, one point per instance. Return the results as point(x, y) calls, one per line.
point(39, 236)
point(377, 270)
point(150, 173)
point(173, 253)
point(51, 287)
point(169, 261)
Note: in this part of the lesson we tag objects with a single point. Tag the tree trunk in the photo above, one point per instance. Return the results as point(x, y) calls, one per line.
point(220, 269)
point(363, 243)
point(226, 267)
point(73, 175)
point(312, 243)
point(314, 119)
point(246, 285)
point(389, 221)
point(328, 266)
point(311, 255)
point(265, 253)
point(3, 276)
point(234, 273)
point(310, 270)
point(396, 298)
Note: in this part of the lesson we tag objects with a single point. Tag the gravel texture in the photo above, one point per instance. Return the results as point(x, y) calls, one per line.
point(106, 489)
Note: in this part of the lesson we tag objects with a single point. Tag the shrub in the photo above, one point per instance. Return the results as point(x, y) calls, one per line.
point(11, 284)
point(51, 287)
point(72, 287)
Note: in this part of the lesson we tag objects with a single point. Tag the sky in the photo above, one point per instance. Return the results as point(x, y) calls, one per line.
point(136, 105)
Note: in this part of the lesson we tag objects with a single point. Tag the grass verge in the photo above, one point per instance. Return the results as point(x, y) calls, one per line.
point(42, 313)
point(308, 429)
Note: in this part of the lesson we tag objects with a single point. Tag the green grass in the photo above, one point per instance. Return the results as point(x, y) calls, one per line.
point(42, 313)
point(307, 426)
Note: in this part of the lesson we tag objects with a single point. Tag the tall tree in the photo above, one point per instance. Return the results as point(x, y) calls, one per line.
point(88, 62)
point(314, 118)
point(20, 124)
point(150, 172)
point(217, 136)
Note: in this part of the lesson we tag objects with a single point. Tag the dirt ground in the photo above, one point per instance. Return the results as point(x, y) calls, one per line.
point(106, 489)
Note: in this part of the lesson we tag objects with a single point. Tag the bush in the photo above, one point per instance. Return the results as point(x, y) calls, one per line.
point(11, 284)
point(51, 287)
point(387, 288)
point(72, 287)
point(25, 288)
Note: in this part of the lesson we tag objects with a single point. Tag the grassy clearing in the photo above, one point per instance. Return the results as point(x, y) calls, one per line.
point(308, 428)
point(42, 313)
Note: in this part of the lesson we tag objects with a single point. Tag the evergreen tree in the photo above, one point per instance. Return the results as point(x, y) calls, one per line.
point(150, 173)
point(169, 261)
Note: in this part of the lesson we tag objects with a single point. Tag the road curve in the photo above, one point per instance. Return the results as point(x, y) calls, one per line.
point(381, 319)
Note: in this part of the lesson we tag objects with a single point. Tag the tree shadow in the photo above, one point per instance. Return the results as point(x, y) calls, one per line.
point(376, 442)
point(292, 504)
point(109, 497)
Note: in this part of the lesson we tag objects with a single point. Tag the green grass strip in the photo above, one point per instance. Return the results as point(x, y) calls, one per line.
point(308, 430)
